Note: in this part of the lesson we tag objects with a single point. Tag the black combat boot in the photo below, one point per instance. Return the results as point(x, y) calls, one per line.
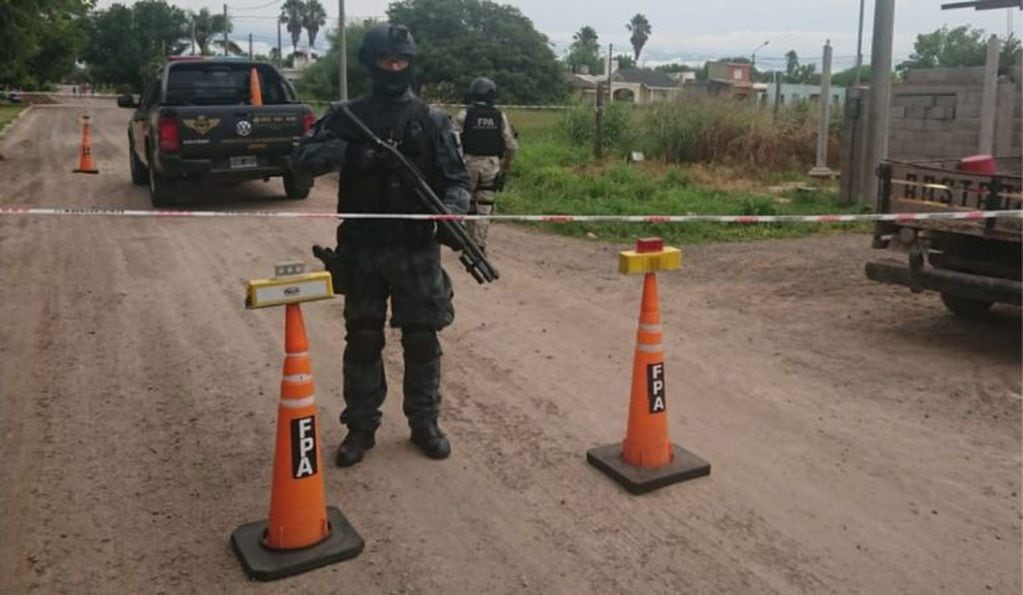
point(354, 446)
point(428, 437)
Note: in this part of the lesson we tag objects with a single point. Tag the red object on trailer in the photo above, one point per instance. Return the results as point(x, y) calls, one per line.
point(979, 164)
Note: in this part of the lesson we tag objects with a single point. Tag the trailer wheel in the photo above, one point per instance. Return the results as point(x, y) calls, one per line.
point(965, 307)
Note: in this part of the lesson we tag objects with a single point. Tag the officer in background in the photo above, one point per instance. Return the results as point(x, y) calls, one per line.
point(489, 145)
point(377, 260)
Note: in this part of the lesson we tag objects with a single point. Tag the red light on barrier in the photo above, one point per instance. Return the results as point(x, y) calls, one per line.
point(644, 245)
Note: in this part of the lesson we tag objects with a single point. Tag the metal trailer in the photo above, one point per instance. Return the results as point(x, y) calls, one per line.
point(971, 263)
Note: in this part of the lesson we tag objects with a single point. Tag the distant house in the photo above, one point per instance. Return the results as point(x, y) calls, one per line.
point(643, 86)
point(792, 94)
point(732, 78)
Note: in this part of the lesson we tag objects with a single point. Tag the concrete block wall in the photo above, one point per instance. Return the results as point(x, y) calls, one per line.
point(935, 114)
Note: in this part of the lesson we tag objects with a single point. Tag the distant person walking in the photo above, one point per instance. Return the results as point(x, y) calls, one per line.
point(489, 146)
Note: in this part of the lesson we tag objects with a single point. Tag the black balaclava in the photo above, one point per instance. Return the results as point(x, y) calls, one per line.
point(388, 40)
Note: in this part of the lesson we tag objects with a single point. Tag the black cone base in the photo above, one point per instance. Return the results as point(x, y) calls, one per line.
point(264, 564)
point(638, 480)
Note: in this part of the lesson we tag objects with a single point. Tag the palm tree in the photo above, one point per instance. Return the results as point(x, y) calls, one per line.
point(640, 28)
point(293, 17)
point(315, 17)
point(232, 48)
point(207, 26)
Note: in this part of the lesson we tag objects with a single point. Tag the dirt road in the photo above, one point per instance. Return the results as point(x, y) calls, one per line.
point(862, 439)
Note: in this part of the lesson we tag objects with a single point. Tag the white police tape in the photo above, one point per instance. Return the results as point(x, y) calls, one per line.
point(851, 218)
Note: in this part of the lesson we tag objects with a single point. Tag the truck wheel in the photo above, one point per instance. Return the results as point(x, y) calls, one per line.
point(139, 171)
point(297, 187)
point(161, 190)
point(965, 307)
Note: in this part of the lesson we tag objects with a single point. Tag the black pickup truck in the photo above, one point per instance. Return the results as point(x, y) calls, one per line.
point(197, 120)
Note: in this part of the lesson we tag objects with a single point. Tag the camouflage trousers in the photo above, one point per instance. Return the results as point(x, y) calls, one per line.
point(482, 173)
point(420, 296)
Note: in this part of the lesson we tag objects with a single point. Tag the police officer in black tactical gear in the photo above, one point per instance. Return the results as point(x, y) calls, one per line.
point(489, 145)
point(381, 259)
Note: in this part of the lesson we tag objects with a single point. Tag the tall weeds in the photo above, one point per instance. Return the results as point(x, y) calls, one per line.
point(702, 129)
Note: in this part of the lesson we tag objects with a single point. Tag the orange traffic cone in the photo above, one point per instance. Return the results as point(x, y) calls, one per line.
point(85, 165)
point(255, 89)
point(646, 459)
point(302, 532)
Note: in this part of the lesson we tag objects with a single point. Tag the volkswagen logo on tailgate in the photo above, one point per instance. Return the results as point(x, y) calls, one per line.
point(243, 128)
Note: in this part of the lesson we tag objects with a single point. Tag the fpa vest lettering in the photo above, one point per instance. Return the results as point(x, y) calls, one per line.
point(655, 387)
point(303, 447)
point(482, 132)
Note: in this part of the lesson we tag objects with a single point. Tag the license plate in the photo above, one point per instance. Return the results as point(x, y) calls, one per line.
point(244, 161)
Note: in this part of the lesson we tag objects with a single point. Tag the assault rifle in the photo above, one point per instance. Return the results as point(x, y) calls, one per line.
point(472, 257)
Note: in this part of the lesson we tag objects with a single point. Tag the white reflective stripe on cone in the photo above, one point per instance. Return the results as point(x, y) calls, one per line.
point(298, 403)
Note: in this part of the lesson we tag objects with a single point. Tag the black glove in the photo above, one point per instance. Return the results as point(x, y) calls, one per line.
point(361, 156)
point(332, 262)
point(499, 182)
point(447, 238)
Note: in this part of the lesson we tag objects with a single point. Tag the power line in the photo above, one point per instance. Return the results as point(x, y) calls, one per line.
point(247, 8)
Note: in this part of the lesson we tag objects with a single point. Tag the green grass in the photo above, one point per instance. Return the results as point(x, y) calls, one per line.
point(9, 113)
point(555, 176)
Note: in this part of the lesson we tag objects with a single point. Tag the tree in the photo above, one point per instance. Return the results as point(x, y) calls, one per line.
point(585, 51)
point(125, 44)
point(314, 18)
point(799, 74)
point(232, 48)
point(293, 18)
point(625, 61)
point(962, 46)
point(320, 80)
point(41, 39)
point(459, 40)
point(847, 77)
point(639, 26)
point(206, 27)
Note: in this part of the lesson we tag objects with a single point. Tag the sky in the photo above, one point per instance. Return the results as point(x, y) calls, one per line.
point(690, 31)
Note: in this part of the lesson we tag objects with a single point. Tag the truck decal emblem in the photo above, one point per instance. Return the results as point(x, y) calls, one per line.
point(202, 125)
point(243, 128)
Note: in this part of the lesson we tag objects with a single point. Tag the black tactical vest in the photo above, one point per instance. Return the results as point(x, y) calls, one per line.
point(381, 190)
point(481, 134)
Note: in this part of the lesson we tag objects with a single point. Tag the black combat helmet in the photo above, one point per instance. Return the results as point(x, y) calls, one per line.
point(483, 90)
point(388, 40)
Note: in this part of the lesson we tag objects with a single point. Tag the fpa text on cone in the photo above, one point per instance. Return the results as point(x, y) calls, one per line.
point(646, 459)
point(302, 533)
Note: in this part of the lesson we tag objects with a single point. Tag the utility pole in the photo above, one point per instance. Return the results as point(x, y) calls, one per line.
point(280, 57)
point(753, 57)
point(193, 36)
point(250, 47)
point(989, 97)
point(880, 90)
point(859, 48)
point(225, 29)
point(821, 170)
point(598, 136)
point(777, 94)
point(610, 59)
point(342, 63)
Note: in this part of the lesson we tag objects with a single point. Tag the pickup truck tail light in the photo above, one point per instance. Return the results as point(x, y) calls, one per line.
point(307, 121)
point(167, 131)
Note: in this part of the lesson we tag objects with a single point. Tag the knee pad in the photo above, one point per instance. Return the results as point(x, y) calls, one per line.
point(420, 345)
point(364, 346)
